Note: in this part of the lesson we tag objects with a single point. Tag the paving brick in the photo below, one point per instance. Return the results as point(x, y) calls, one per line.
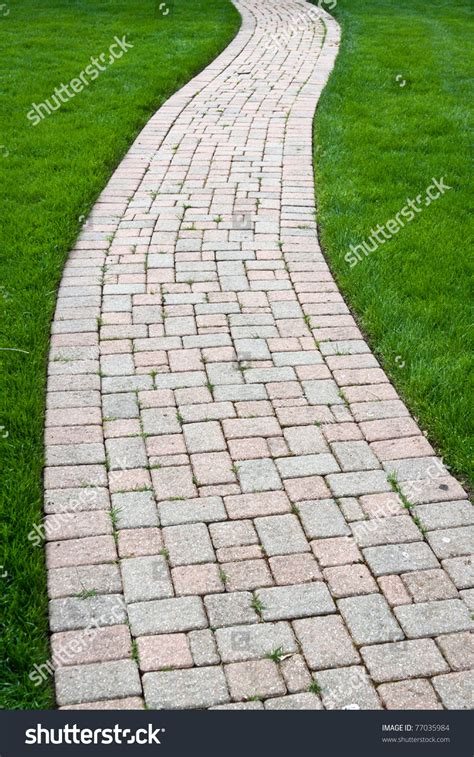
point(139, 541)
point(456, 690)
point(394, 591)
point(104, 680)
point(258, 475)
point(197, 579)
point(256, 678)
point(347, 689)
point(427, 585)
point(390, 530)
point(236, 428)
point(338, 551)
point(461, 571)
point(213, 468)
point(295, 673)
point(197, 688)
point(321, 519)
point(203, 647)
point(258, 504)
point(188, 544)
point(204, 437)
point(103, 579)
point(87, 551)
point(135, 509)
point(146, 578)
point(233, 533)
point(349, 580)
point(458, 649)
point(399, 558)
point(323, 392)
point(355, 484)
point(354, 456)
point(197, 510)
point(246, 575)
point(254, 642)
point(230, 609)
point(167, 616)
point(446, 514)
point(452, 542)
point(406, 659)
point(298, 601)
point(306, 465)
point(173, 482)
point(306, 701)
point(433, 618)
point(127, 703)
point(325, 642)
point(409, 695)
point(293, 569)
point(91, 645)
point(281, 535)
point(311, 487)
point(126, 452)
point(164, 651)
point(305, 440)
point(369, 619)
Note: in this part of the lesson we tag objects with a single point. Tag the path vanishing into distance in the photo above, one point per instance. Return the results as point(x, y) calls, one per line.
point(241, 513)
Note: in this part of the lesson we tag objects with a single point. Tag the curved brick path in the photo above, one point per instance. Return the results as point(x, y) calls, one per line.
point(249, 432)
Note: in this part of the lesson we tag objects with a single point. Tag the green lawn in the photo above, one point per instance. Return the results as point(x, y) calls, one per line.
point(50, 175)
point(395, 114)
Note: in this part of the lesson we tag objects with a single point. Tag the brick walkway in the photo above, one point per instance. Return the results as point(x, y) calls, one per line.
point(223, 450)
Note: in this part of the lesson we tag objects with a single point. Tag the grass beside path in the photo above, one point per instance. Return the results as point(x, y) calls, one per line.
point(50, 175)
point(395, 115)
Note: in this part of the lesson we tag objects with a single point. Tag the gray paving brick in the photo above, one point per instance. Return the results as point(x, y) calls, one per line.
point(369, 619)
point(452, 542)
point(281, 535)
point(391, 530)
point(324, 392)
point(446, 514)
point(146, 578)
point(258, 475)
point(355, 456)
point(197, 510)
point(400, 558)
point(71, 613)
point(167, 616)
point(405, 659)
point(433, 618)
point(257, 678)
point(230, 609)
point(203, 647)
point(456, 690)
point(322, 518)
point(196, 688)
point(355, 484)
point(188, 544)
point(127, 452)
point(305, 701)
point(104, 680)
point(458, 648)
point(135, 509)
point(347, 689)
point(306, 465)
point(252, 642)
point(461, 571)
point(325, 642)
point(298, 601)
